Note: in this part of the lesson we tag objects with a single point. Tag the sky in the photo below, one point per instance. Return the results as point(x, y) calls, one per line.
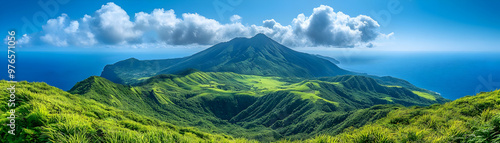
point(393, 25)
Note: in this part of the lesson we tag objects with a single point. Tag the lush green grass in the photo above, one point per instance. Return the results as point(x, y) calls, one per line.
point(393, 86)
point(424, 95)
point(468, 119)
point(48, 114)
point(313, 97)
point(262, 83)
point(388, 99)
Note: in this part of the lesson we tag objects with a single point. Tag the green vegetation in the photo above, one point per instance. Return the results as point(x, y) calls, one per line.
point(468, 119)
point(48, 114)
point(424, 95)
point(265, 108)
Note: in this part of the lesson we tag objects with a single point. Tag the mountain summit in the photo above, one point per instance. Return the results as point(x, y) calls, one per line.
point(259, 55)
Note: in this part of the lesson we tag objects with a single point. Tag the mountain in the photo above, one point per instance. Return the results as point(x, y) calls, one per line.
point(266, 108)
point(258, 55)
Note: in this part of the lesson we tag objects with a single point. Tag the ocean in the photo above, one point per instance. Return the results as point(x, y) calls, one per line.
point(63, 69)
point(452, 74)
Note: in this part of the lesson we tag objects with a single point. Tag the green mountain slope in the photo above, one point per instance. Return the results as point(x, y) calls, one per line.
point(400, 91)
point(48, 114)
point(257, 107)
point(258, 55)
point(468, 119)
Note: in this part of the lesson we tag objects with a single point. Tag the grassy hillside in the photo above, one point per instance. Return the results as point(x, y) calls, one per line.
point(48, 114)
point(468, 119)
point(255, 107)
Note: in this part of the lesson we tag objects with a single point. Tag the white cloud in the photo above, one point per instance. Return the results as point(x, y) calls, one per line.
point(328, 28)
point(63, 32)
point(190, 29)
point(111, 25)
point(108, 25)
point(24, 40)
point(235, 19)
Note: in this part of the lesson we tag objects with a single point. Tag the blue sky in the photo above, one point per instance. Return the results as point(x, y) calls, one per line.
point(448, 25)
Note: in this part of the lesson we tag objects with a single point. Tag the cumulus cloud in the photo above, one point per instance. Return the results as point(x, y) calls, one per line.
point(25, 39)
point(63, 32)
point(235, 18)
point(111, 25)
point(108, 25)
point(369, 45)
point(189, 29)
point(328, 28)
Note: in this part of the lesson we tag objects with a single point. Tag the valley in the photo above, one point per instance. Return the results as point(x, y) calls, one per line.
point(257, 107)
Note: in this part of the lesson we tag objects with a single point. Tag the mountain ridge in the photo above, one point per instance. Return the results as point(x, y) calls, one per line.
point(259, 55)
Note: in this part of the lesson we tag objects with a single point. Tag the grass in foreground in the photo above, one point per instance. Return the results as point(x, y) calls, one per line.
point(468, 119)
point(48, 114)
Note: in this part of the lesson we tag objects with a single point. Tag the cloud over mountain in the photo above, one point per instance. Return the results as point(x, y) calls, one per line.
point(328, 28)
point(111, 25)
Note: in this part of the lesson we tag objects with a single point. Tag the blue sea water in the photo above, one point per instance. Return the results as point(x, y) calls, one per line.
point(452, 74)
point(63, 69)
